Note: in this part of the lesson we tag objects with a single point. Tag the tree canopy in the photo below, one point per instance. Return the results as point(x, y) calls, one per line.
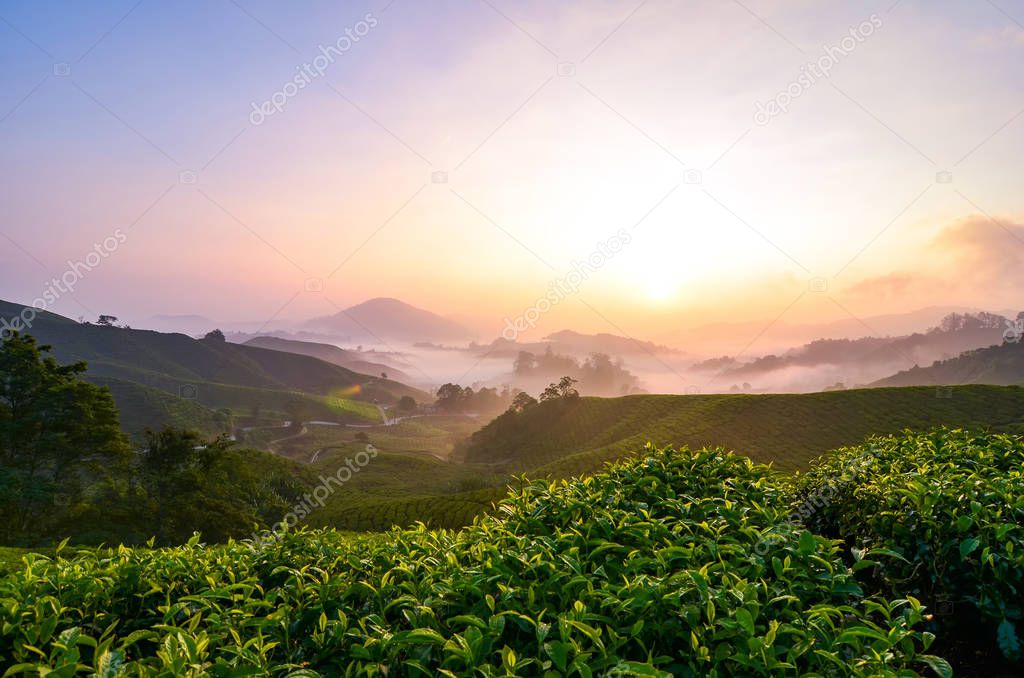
point(59, 435)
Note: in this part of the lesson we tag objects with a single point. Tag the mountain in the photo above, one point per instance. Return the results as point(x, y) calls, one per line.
point(212, 373)
point(825, 362)
point(329, 353)
point(563, 437)
point(570, 341)
point(389, 319)
point(578, 344)
point(1002, 364)
point(784, 335)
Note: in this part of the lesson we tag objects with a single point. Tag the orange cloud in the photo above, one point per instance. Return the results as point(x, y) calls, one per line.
point(976, 260)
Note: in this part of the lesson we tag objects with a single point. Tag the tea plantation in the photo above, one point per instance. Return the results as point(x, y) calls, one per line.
point(668, 564)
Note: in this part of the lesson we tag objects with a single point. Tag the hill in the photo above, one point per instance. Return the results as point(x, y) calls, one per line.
point(823, 362)
point(215, 374)
point(145, 407)
point(568, 437)
point(389, 319)
point(329, 353)
point(569, 341)
point(578, 344)
point(1002, 364)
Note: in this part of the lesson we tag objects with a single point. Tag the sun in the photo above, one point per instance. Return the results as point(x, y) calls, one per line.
point(659, 285)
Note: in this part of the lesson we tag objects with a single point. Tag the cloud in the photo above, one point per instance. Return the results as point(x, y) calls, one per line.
point(976, 261)
point(886, 286)
point(1012, 36)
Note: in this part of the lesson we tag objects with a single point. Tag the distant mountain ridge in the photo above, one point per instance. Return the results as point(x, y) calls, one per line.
point(1000, 365)
point(569, 340)
point(389, 319)
point(868, 358)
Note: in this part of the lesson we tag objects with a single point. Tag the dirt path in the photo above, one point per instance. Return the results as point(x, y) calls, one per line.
point(303, 431)
point(399, 420)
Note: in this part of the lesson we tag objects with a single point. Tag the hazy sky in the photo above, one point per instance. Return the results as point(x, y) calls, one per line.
point(558, 125)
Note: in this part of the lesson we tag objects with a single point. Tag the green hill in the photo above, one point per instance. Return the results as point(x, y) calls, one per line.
point(1003, 364)
point(214, 374)
point(144, 407)
point(568, 437)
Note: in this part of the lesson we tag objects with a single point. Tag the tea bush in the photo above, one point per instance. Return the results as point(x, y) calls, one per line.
point(941, 513)
point(671, 564)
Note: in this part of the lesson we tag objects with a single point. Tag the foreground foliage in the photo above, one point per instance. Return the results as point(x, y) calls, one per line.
point(672, 563)
point(942, 514)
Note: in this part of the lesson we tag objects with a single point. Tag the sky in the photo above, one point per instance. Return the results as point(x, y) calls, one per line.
point(647, 167)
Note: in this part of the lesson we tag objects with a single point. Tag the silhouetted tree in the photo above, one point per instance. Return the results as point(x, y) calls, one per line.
point(523, 401)
point(565, 389)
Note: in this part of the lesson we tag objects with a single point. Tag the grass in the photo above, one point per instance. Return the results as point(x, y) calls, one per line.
point(405, 488)
point(347, 406)
point(143, 407)
point(430, 436)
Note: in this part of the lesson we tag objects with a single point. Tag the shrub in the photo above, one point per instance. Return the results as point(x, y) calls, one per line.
point(671, 564)
point(942, 514)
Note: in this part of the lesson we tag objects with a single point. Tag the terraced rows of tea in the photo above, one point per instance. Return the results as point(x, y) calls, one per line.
point(787, 430)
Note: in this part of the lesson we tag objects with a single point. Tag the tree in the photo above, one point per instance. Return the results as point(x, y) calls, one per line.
point(565, 389)
point(224, 418)
point(214, 335)
point(450, 398)
point(383, 375)
point(58, 436)
point(407, 404)
point(107, 320)
point(485, 400)
point(524, 363)
point(190, 484)
point(522, 402)
point(172, 464)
